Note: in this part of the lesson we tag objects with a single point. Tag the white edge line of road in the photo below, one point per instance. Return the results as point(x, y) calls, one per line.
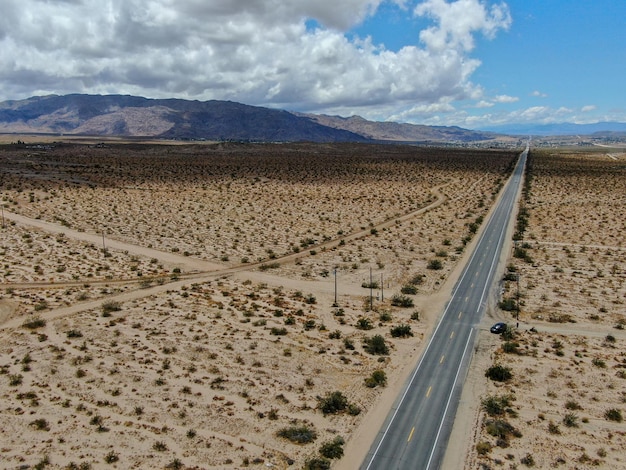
point(445, 312)
point(445, 411)
point(432, 337)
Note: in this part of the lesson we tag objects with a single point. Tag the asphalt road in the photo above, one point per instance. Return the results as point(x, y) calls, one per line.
point(416, 432)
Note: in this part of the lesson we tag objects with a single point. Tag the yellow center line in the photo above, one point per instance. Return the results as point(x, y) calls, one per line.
point(411, 435)
point(428, 392)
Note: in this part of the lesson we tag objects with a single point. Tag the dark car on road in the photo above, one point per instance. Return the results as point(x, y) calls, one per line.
point(498, 328)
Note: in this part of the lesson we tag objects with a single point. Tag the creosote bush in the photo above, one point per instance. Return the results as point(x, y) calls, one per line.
point(401, 331)
point(376, 345)
point(34, 322)
point(499, 373)
point(333, 449)
point(377, 378)
point(298, 434)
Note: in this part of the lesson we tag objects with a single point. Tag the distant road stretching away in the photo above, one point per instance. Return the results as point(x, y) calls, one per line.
point(415, 434)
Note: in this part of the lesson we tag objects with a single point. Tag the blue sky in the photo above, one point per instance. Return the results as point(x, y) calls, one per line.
point(472, 63)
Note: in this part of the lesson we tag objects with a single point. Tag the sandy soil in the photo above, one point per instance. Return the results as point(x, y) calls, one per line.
point(207, 324)
point(563, 404)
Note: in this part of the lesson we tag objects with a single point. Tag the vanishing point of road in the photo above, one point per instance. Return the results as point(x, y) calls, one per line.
point(416, 432)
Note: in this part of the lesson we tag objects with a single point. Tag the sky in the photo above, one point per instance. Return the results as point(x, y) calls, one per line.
point(471, 63)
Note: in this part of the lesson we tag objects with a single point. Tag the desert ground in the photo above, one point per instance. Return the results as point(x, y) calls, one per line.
point(218, 305)
point(564, 404)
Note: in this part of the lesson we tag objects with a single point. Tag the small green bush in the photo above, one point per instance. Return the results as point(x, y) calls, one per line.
point(298, 434)
point(34, 322)
point(376, 345)
point(401, 331)
point(434, 264)
point(377, 378)
point(614, 415)
point(111, 306)
point(364, 324)
point(570, 420)
point(317, 463)
point(496, 405)
point(403, 301)
point(483, 448)
point(333, 449)
point(499, 373)
point(408, 289)
point(332, 403)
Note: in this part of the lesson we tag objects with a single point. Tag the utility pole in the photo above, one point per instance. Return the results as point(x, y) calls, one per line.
point(3, 225)
point(371, 291)
point(335, 304)
point(104, 248)
point(382, 288)
point(518, 276)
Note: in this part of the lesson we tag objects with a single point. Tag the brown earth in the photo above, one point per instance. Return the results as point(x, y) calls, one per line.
point(563, 406)
point(185, 293)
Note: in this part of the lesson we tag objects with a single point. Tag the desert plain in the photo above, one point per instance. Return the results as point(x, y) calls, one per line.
point(225, 305)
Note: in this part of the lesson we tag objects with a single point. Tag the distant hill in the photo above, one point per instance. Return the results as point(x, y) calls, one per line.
point(564, 128)
point(401, 132)
point(132, 116)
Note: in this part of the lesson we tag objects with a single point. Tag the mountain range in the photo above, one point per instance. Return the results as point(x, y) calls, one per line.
point(132, 116)
point(564, 128)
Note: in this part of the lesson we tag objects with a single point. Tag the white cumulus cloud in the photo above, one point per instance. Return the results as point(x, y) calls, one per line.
point(254, 51)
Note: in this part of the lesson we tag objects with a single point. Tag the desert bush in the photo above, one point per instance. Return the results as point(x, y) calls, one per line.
point(596, 361)
point(267, 266)
point(333, 402)
point(553, 428)
point(501, 429)
point(408, 289)
point(159, 446)
point(385, 317)
point(377, 378)
point(15, 380)
point(364, 324)
point(40, 424)
point(74, 334)
point(511, 347)
point(573, 405)
point(434, 264)
point(333, 449)
point(335, 335)
point(111, 306)
point(570, 420)
point(401, 331)
point(508, 305)
point(528, 460)
point(403, 301)
point(483, 448)
point(176, 464)
point(496, 405)
point(499, 373)
point(613, 414)
point(278, 331)
point(370, 285)
point(298, 434)
point(317, 463)
point(376, 345)
point(111, 457)
point(34, 322)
